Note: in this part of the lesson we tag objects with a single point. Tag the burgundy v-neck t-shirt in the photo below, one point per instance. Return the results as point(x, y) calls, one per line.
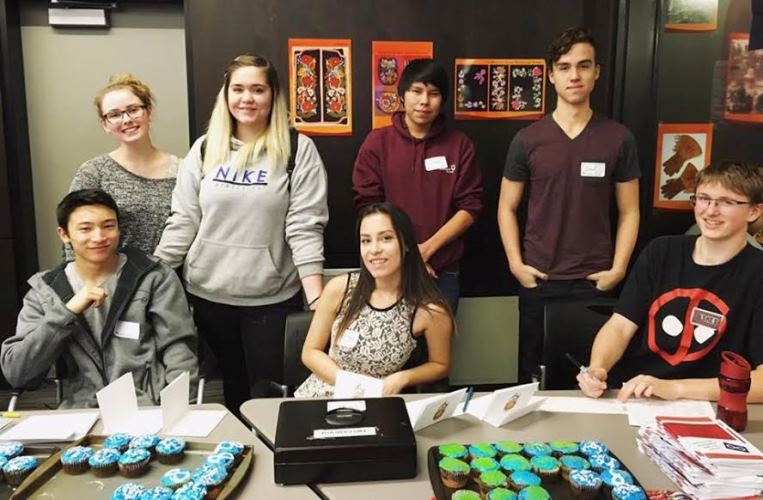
point(569, 184)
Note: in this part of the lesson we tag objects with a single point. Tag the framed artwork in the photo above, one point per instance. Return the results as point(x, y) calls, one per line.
point(743, 100)
point(388, 60)
point(692, 15)
point(320, 86)
point(499, 89)
point(683, 149)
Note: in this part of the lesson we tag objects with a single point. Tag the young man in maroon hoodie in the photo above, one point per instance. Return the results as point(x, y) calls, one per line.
point(427, 169)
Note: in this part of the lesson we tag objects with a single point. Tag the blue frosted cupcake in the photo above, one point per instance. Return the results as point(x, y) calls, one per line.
point(210, 476)
point(452, 450)
point(128, 491)
point(546, 467)
point(223, 459)
point(11, 449)
point(119, 441)
point(585, 483)
point(570, 463)
point(233, 447)
point(603, 461)
point(75, 459)
point(533, 493)
point(134, 461)
point(157, 493)
point(591, 448)
point(190, 491)
point(147, 441)
point(17, 469)
point(508, 447)
point(537, 449)
point(175, 478)
point(104, 462)
point(615, 477)
point(559, 448)
point(628, 492)
point(522, 479)
point(511, 463)
point(482, 450)
point(171, 450)
point(3, 461)
point(501, 494)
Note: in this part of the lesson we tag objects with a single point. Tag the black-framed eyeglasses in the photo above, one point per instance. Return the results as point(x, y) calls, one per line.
point(704, 202)
point(115, 116)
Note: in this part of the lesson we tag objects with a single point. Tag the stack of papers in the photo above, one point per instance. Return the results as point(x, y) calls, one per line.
point(704, 457)
point(52, 428)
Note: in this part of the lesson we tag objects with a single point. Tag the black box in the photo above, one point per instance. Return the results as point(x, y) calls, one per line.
point(301, 459)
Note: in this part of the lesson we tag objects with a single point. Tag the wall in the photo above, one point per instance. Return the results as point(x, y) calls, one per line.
point(64, 68)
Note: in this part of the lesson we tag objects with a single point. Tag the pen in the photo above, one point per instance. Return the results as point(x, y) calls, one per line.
point(578, 364)
point(469, 394)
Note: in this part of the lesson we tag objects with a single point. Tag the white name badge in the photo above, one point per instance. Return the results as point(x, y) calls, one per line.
point(127, 330)
point(592, 169)
point(435, 163)
point(348, 339)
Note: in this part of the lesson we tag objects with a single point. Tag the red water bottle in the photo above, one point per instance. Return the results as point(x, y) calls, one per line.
point(734, 381)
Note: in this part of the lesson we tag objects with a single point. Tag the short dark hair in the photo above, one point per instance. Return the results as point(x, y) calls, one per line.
point(82, 198)
point(564, 42)
point(427, 72)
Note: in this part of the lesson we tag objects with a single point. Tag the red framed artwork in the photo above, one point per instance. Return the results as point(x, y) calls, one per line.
point(683, 149)
point(744, 81)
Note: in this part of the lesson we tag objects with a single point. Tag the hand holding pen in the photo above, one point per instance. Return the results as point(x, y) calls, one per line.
point(592, 381)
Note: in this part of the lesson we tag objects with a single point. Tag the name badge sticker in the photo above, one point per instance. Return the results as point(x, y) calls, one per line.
point(127, 330)
point(348, 339)
point(592, 169)
point(435, 163)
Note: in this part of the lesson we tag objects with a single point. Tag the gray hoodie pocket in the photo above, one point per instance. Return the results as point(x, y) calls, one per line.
point(235, 271)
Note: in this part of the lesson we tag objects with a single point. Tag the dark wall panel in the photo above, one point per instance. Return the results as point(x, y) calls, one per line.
point(486, 29)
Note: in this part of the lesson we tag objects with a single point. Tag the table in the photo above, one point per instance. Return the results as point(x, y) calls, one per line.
point(614, 430)
point(259, 483)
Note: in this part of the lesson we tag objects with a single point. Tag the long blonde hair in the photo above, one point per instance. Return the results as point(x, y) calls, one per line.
point(274, 141)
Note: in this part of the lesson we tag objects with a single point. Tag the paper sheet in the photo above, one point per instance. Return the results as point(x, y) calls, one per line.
point(641, 413)
point(51, 428)
point(196, 423)
point(351, 385)
point(567, 404)
point(428, 411)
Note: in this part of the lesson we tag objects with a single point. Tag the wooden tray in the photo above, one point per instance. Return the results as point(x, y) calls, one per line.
point(43, 453)
point(559, 490)
point(50, 481)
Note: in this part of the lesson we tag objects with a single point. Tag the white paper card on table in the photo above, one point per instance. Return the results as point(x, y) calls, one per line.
point(51, 428)
point(504, 405)
point(178, 419)
point(428, 411)
point(641, 413)
point(118, 404)
point(571, 404)
point(351, 385)
point(353, 405)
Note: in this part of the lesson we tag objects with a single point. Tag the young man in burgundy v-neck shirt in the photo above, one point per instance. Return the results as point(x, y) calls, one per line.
point(570, 163)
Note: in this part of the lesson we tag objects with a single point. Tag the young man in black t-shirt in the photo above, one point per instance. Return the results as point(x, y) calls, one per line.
point(687, 299)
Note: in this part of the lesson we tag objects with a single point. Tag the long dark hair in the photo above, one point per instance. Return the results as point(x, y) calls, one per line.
point(418, 288)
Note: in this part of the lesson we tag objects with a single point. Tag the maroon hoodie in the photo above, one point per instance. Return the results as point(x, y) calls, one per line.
point(391, 167)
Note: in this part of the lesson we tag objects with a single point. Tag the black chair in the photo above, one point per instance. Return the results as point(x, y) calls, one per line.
point(295, 332)
point(56, 374)
point(570, 326)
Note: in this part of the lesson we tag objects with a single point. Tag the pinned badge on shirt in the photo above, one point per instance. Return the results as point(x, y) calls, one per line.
point(127, 330)
point(592, 168)
point(348, 339)
point(435, 163)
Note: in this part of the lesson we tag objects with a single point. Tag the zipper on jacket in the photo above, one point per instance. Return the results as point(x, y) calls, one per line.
point(148, 383)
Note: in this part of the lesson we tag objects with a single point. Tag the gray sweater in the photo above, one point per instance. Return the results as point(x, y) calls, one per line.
point(147, 293)
point(246, 239)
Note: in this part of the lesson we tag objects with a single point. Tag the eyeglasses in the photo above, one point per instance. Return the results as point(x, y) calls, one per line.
point(114, 117)
point(704, 202)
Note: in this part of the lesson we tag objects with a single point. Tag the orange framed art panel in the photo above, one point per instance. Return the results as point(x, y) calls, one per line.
point(683, 149)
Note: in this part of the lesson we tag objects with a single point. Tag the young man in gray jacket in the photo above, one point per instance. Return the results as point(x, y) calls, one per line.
point(108, 312)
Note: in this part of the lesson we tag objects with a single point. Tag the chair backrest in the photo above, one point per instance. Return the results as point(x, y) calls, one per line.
point(570, 326)
point(297, 325)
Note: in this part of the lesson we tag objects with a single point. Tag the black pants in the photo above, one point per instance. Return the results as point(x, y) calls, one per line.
point(531, 303)
point(247, 342)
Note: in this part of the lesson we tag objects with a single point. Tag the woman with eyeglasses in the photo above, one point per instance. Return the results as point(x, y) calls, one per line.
point(248, 214)
point(138, 175)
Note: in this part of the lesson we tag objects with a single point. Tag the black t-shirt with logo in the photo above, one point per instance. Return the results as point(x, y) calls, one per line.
point(689, 313)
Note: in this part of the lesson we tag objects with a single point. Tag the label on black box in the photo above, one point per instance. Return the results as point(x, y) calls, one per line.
point(341, 433)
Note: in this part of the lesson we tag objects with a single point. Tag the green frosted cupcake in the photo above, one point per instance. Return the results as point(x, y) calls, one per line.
point(452, 450)
point(501, 494)
point(511, 463)
point(465, 495)
point(546, 467)
point(508, 447)
point(559, 448)
point(480, 465)
point(534, 493)
point(482, 450)
point(491, 480)
point(453, 472)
